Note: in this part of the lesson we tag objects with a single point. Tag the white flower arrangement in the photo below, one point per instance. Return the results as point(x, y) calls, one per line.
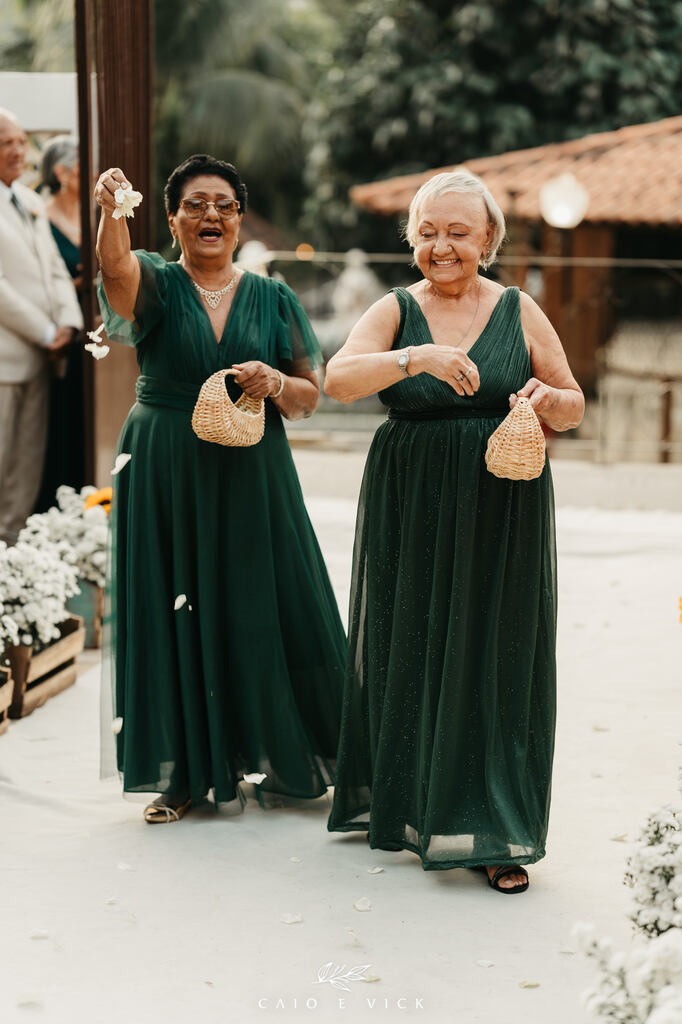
point(79, 534)
point(35, 584)
point(644, 986)
point(654, 872)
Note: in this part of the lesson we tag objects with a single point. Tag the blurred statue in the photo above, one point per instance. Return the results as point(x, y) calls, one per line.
point(256, 257)
point(357, 287)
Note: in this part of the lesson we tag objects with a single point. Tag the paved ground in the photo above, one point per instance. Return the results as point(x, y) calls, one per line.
point(105, 919)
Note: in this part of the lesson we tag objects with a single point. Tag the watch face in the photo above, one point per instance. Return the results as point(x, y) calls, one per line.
point(403, 359)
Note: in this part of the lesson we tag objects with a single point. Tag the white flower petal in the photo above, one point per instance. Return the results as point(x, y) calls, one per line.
point(110, 902)
point(485, 963)
point(96, 336)
point(362, 904)
point(97, 351)
point(295, 860)
point(369, 978)
point(291, 918)
point(116, 726)
point(39, 933)
point(374, 871)
point(255, 777)
point(620, 839)
point(529, 984)
point(121, 460)
point(179, 601)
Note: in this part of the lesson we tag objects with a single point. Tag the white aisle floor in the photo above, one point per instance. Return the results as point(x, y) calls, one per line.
point(105, 919)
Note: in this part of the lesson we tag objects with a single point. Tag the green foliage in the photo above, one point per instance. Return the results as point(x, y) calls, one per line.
point(37, 35)
point(410, 85)
point(232, 79)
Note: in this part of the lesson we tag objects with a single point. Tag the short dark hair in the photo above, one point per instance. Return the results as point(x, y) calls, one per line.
point(192, 167)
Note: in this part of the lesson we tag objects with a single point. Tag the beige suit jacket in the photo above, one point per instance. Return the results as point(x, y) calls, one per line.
point(35, 288)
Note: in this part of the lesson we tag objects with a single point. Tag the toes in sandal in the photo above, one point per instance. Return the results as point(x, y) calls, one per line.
point(504, 872)
point(159, 813)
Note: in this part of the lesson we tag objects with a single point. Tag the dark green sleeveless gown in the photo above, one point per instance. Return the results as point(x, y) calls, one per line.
point(247, 675)
point(447, 733)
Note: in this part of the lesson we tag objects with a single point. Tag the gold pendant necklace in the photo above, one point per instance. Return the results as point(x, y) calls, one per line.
point(471, 324)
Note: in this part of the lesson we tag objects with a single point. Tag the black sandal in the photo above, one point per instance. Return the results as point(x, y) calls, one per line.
point(504, 872)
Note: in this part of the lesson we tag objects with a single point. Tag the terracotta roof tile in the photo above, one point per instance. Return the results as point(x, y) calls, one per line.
point(633, 175)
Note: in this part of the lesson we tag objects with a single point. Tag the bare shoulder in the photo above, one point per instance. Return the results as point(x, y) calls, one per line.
point(376, 328)
point(384, 311)
point(531, 314)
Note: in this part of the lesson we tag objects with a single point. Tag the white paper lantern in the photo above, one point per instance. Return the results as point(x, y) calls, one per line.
point(564, 201)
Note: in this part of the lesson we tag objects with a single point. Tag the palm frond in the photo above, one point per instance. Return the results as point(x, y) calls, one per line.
point(244, 117)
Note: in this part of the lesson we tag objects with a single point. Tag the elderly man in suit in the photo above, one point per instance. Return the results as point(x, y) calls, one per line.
point(39, 316)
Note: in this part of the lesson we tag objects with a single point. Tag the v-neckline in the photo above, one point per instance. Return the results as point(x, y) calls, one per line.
point(190, 282)
point(480, 336)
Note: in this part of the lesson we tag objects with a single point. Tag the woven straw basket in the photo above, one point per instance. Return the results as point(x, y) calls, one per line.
point(516, 450)
point(217, 418)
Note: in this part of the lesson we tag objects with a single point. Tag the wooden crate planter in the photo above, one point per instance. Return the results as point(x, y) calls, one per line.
point(37, 677)
point(89, 604)
point(5, 698)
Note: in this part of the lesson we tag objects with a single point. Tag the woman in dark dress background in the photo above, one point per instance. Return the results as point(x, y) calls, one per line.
point(65, 453)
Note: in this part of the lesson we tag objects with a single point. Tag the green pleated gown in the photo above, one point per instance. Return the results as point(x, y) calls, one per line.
point(447, 733)
point(247, 675)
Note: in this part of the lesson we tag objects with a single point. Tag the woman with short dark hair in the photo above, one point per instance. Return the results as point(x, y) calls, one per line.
point(227, 645)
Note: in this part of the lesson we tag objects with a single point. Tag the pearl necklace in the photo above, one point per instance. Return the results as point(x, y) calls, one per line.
point(214, 298)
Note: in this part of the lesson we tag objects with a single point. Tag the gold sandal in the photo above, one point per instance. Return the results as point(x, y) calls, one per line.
point(159, 813)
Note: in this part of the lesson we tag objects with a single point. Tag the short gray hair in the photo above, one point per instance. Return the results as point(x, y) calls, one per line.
point(62, 149)
point(460, 180)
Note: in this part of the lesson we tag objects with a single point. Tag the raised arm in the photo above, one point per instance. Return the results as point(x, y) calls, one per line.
point(120, 269)
point(553, 391)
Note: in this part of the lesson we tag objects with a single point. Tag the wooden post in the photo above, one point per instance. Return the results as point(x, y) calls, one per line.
point(115, 42)
point(666, 419)
point(87, 294)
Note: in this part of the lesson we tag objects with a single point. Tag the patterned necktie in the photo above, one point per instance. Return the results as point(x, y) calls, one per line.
point(19, 208)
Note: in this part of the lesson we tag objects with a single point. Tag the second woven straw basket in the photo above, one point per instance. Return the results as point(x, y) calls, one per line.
point(516, 450)
point(217, 418)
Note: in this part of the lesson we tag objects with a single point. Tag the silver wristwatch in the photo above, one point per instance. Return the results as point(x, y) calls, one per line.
point(403, 360)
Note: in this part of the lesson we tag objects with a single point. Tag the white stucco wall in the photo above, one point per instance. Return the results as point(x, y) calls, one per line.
point(42, 102)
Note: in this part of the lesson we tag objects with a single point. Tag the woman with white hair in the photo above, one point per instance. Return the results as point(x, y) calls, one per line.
point(447, 734)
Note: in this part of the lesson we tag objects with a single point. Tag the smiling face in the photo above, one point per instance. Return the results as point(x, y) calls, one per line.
point(210, 236)
point(452, 233)
point(12, 150)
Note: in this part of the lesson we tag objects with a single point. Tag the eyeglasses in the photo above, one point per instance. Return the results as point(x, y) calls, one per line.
point(225, 208)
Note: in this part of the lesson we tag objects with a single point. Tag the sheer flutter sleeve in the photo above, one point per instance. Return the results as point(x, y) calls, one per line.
point(297, 347)
point(150, 303)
